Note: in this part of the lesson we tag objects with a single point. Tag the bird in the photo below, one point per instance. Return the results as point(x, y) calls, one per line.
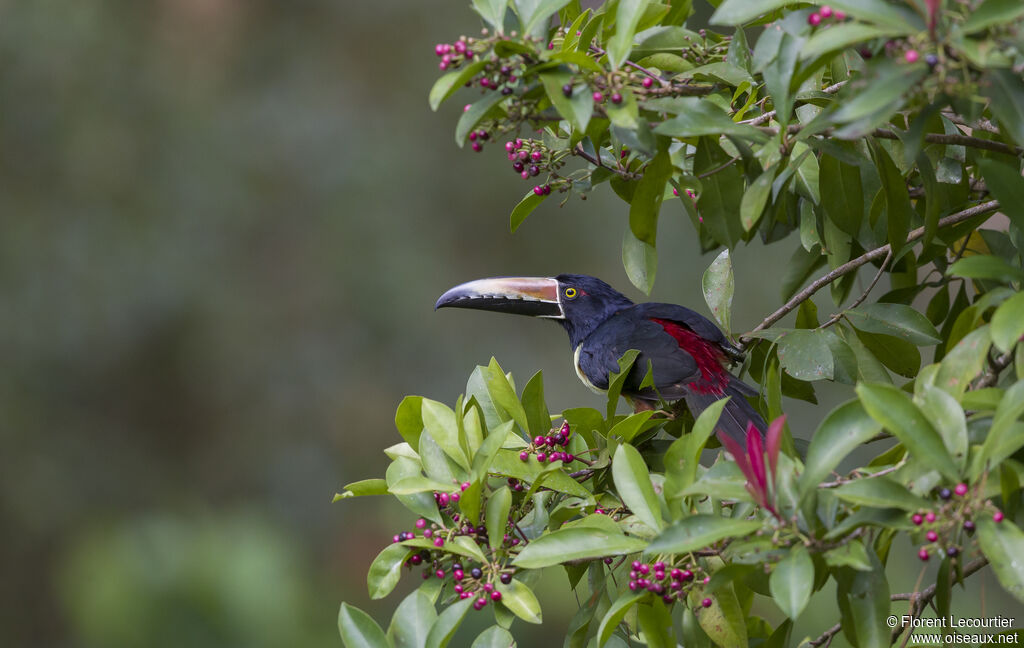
point(686, 354)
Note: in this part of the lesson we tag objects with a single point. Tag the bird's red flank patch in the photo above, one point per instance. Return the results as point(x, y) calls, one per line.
point(710, 359)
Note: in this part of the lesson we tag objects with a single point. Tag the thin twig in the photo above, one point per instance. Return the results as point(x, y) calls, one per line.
point(597, 162)
point(864, 295)
point(853, 264)
point(958, 140)
point(981, 124)
point(826, 637)
point(768, 116)
point(721, 167)
point(840, 482)
point(920, 600)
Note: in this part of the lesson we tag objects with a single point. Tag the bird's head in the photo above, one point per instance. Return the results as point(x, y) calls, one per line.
point(579, 302)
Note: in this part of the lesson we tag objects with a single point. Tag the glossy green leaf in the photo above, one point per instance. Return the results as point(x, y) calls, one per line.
point(1003, 545)
point(696, 117)
point(640, 260)
point(494, 637)
point(719, 201)
point(386, 570)
point(445, 86)
point(964, 362)
point(470, 118)
point(755, 198)
point(776, 54)
point(489, 449)
point(358, 630)
point(842, 194)
point(411, 621)
point(993, 12)
point(843, 430)
point(792, 580)
point(735, 12)
point(683, 456)
point(615, 615)
point(537, 415)
point(996, 447)
point(521, 600)
point(492, 11)
point(575, 543)
point(1005, 91)
point(421, 504)
point(698, 531)
point(898, 210)
point(863, 598)
point(533, 14)
point(362, 488)
point(880, 492)
point(498, 505)
point(632, 425)
point(718, 286)
point(409, 420)
point(724, 622)
point(898, 320)
point(895, 353)
point(504, 396)
point(627, 18)
point(525, 207)
point(439, 421)
point(633, 483)
point(947, 417)
point(418, 484)
point(447, 624)
point(805, 354)
point(1007, 326)
point(643, 210)
point(986, 266)
point(893, 408)
point(839, 37)
point(852, 554)
point(507, 464)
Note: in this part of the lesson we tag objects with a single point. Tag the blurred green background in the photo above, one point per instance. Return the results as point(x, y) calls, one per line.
point(225, 223)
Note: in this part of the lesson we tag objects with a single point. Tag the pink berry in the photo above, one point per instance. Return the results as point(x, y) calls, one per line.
point(647, 82)
point(538, 440)
point(524, 174)
point(826, 11)
point(495, 595)
point(458, 589)
point(427, 533)
point(524, 455)
point(443, 65)
point(598, 97)
point(440, 573)
point(839, 15)
point(420, 523)
point(616, 98)
point(917, 519)
point(455, 497)
point(814, 19)
point(467, 107)
point(961, 489)
point(932, 536)
point(541, 457)
point(457, 574)
point(442, 499)
point(477, 147)
point(923, 554)
point(997, 517)
point(929, 517)
point(706, 602)
point(464, 595)
point(911, 56)
point(438, 542)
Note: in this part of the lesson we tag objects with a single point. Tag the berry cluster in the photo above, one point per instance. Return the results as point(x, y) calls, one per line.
point(453, 54)
point(825, 13)
point(670, 582)
point(942, 528)
point(545, 447)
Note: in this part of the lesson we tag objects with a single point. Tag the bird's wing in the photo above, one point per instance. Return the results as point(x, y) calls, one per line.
point(692, 320)
point(671, 365)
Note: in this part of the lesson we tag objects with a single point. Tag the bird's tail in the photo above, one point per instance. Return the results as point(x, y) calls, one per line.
point(736, 413)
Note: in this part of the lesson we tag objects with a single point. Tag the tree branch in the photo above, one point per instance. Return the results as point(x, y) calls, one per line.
point(864, 295)
point(768, 116)
point(959, 140)
point(920, 600)
point(853, 264)
point(597, 162)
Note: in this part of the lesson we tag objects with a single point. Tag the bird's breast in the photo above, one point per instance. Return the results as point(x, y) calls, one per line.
point(579, 372)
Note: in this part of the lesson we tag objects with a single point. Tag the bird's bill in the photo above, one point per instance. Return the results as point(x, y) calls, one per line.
point(535, 296)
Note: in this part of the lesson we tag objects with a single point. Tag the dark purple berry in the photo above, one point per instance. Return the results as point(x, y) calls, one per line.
point(945, 493)
point(506, 578)
point(931, 60)
point(706, 602)
point(484, 135)
point(457, 566)
point(475, 572)
point(952, 552)
point(506, 90)
point(534, 171)
point(567, 90)
point(968, 526)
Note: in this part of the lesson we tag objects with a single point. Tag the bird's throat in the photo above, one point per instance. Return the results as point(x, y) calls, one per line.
point(579, 372)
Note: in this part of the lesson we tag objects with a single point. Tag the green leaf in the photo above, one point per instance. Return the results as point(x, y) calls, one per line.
point(504, 396)
point(863, 598)
point(615, 614)
point(1007, 324)
point(470, 118)
point(640, 261)
point(792, 580)
point(627, 18)
point(683, 456)
point(358, 630)
point(898, 320)
point(879, 94)
point(411, 621)
point(1003, 545)
point(521, 600)
point(447, 623)
point(696, 117)
point(418, 484)
point(843, 430)
point(852, 554)
point(719, 286)
point(724, 622)
point(445, 86)
point(805, 354)
point(575, 543)
point(386, 570)
point(947, 417)
point(364, 487)
point(995, 448)
point(492, 11)
point(897, 354)
point(719, 201)
point(534, 14)
point(536, 409)
point(898, 210)
point(993, 12)
point(880, 492)
point(1005, 91)
point(439, 421)
point(633, 483)
point(508, 464)
point(735, 12)
point(755, 198)
point(409, 420)
point(842, 36)
point(489, 450)
point(897, 413)
point(699, 531)
point(776, 55)
point(986, 266)
point(421, 504)
point(632, 425)
point(643, 210)
point(498, 506)
point(494, 637)
point(964, 362)
point(842, 194)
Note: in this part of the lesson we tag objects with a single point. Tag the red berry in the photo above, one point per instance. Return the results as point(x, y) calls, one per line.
point(814, 19)
point(477, 147)
point(998, 517)
point(706, 602)
point(911, 56)
point(917, 519)
point(455, 497)
point(961, 489)
point(616, 98)
point(495, 595)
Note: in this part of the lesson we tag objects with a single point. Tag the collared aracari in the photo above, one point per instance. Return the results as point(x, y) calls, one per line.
point(684, 351)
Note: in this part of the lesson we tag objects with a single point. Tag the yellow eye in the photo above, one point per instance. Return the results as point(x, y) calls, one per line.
point(570, 292)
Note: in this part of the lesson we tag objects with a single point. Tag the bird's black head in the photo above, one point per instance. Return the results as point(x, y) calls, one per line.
point(579, 302)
